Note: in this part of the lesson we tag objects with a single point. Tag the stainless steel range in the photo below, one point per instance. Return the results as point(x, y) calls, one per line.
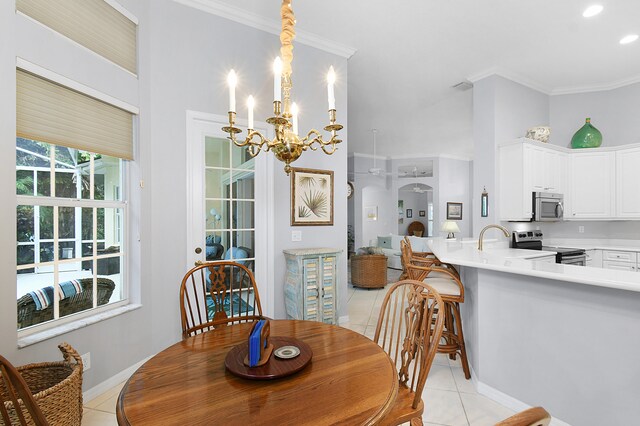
point(532, 240)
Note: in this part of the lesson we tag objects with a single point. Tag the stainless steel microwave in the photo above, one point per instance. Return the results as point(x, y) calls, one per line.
point(548, 207)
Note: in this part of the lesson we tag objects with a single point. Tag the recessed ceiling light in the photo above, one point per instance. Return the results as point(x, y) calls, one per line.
point(629, 39)
point(592, 10)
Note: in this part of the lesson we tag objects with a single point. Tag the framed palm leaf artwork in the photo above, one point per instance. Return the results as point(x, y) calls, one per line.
point(311, 197)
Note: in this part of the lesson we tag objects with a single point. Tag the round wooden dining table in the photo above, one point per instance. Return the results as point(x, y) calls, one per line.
point(350, 380)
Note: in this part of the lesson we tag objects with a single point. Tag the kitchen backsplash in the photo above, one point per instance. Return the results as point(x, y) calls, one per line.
point(619, 230)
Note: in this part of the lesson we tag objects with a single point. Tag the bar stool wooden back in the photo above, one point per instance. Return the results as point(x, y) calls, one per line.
point(446, 281)
point(424, 258)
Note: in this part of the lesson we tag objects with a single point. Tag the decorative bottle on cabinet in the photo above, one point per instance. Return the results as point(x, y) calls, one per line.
point(587, 136)
point(310, 287)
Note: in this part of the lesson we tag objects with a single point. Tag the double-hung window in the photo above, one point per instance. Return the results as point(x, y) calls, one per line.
point(71, 152)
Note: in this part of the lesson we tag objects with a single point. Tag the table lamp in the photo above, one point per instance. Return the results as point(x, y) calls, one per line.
point(450, 227)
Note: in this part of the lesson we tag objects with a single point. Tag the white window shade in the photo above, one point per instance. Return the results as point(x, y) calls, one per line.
point(93, 24)
point(52, 113)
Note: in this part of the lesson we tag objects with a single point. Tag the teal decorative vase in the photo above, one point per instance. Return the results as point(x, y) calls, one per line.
point(587, 137)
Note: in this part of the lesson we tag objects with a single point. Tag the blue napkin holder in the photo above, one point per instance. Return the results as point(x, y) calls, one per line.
point(259, 347)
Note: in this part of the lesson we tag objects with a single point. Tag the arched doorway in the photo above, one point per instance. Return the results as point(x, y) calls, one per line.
point(415, 204)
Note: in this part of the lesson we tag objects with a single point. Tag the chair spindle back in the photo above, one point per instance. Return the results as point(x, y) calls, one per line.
point(409, 328)
point(217, 293)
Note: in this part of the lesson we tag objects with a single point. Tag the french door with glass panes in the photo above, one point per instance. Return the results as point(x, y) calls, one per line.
point(229, 203)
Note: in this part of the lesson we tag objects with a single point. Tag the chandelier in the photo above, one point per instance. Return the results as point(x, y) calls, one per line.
point(287, 145)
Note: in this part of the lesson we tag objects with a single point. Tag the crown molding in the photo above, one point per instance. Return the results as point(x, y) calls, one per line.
point(569, 90)
point(525, 81)
point(261, 23)
point(411, 156)
point(427, 156)
point(363, 155)
point(596, 87)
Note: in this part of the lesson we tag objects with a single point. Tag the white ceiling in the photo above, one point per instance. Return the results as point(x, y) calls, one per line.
point(409, 53)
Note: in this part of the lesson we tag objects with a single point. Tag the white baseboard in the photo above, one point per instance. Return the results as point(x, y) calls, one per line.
point(506, 400)
point(101, 388)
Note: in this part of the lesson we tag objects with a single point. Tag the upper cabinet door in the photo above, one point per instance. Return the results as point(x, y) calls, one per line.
point(539, 178)
point(628, 183)
point(591, 183)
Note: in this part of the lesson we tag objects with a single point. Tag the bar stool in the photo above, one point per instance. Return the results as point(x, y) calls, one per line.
point(446, 280)
point(425, 258)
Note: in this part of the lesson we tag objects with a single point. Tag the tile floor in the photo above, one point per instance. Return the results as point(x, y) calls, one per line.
point(450, 400)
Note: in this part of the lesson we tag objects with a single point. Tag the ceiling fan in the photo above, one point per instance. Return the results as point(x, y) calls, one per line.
point(416, 188)
point(374, 171)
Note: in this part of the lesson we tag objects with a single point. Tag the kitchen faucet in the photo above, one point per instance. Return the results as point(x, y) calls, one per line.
point(502, 228)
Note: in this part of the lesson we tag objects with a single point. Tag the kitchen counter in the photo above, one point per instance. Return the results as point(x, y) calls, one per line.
point(497, 257)
point(597, 244)
point(561, 336)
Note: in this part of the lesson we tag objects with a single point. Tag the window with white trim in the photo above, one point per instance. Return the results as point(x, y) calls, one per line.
point(71, 211)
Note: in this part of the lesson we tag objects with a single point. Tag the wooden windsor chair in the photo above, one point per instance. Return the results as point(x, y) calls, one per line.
point(14, 389)
point(409, 328)
point(536, 416)
point(444, 278)
point(215, 294)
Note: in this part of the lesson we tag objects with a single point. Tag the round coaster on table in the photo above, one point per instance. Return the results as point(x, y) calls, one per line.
point(287, 352)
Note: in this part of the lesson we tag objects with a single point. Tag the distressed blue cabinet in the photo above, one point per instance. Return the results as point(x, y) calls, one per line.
point(310, 287)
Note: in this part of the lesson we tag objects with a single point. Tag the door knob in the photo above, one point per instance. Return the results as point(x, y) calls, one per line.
point(198, 250)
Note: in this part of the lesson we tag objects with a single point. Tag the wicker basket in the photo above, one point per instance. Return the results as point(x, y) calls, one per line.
point(56, 388)
point(369, 270)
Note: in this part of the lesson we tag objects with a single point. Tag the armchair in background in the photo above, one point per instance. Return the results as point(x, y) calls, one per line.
point(214, 250)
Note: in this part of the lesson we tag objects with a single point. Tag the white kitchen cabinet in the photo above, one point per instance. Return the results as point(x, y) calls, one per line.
point(526, 167)
point(594, 258)
point(592, 180)
point(620, 256)
point(546, 168)
point(628, 183)
point(597, 183)
point(620, 266)
point(622, 260)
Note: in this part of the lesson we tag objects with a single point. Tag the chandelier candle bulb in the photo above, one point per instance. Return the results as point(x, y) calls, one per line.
point(250, 104)
point(277, 79)
point(232, 81)
point(331, 79)
point(294, 117)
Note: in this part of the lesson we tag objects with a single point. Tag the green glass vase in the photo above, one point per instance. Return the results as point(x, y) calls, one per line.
point(587, 137)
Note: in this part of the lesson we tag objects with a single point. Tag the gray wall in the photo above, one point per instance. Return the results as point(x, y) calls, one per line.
point(502, 111)
point(453, 187)
point(614, 112)
point(184, 56)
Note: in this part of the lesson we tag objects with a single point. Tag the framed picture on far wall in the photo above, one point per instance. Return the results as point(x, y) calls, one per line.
point(421, 213)
point(371, 213)
point(311, 197)
point(409, 213)
point(454, 211)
